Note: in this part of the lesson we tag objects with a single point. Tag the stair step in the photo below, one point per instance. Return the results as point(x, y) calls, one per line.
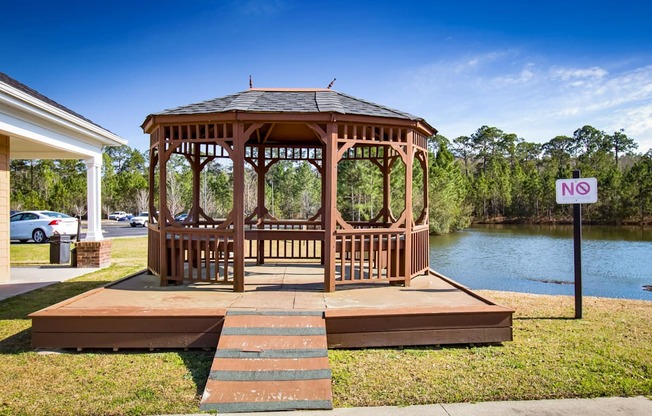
point(271, 364)
point(269, 375)
point(270, 361)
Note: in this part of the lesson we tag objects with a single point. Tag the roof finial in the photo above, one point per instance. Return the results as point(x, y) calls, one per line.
point(251, 83)
point(331, 84)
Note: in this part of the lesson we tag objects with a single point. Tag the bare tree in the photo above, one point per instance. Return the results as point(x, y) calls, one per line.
point(106, 209)
point(79, 210)
point(142, 198)
point(174, 195)
point(251, 189)
point(207, 199)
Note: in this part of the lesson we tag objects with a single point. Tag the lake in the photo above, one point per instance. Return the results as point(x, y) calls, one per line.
point(616, 261)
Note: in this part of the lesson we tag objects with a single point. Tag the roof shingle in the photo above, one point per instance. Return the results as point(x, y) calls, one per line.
point(291, 101)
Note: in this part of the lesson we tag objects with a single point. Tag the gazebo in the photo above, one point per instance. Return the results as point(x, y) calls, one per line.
point(260, 127)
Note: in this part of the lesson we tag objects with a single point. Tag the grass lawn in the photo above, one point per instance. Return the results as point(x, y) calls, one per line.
point(609, 353)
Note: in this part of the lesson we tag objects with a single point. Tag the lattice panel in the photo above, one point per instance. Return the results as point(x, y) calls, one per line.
point(285, 152)
point(371, 133)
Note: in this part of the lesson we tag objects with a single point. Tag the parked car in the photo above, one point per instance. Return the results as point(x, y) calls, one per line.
point(141, 219)
point(117, 215)
point(181, 217)
point(126, 217)
point(41, 225)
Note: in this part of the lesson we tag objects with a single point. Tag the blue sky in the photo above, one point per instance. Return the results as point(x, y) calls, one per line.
point(537, 69)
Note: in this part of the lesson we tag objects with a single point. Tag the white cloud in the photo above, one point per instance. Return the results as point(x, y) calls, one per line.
point(578, 76)
point(529, 97)
point(527, 74)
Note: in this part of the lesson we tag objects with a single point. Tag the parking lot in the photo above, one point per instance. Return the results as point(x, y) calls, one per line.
point(113, 229)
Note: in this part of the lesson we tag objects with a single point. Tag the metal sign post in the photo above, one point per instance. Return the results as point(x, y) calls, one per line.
point(577, 191)
point(577, 249)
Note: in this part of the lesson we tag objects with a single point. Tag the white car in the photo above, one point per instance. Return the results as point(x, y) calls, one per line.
point(41, 225)
point(141, 219)
point(117, 215)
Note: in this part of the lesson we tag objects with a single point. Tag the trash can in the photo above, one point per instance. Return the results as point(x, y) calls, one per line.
point(60, 249)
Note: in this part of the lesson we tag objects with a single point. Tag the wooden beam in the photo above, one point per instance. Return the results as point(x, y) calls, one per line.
point(329, 204)
point(409, 215)
point(197, 168)
point(261, 170)
point(238, 206)
point(162, 184)
point(153, 264)
point(319, 132)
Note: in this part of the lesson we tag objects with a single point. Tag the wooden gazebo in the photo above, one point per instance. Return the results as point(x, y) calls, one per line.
point(260, 127)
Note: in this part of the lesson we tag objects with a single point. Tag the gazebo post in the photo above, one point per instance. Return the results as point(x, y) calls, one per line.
point(162, 202)
point(154, 254)
point(409, 217)
point(238, 206)
point(261, 171)
point(329, 206)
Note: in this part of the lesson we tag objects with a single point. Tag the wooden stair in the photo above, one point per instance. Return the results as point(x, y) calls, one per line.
point(270, 361)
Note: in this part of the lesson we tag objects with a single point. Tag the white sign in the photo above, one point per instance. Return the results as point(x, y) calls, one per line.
point(577, 191)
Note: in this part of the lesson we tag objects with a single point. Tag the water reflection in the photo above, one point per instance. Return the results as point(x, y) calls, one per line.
point(617, 261)
point(589, 232)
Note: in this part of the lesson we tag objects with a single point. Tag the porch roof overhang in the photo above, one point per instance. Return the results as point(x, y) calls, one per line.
point(40, 128)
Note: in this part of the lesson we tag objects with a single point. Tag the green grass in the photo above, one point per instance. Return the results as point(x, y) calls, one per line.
point(97, 382)
point(29, 254)
point(609, 353)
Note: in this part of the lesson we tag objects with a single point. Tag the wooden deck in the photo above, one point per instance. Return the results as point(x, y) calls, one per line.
point(136, 312)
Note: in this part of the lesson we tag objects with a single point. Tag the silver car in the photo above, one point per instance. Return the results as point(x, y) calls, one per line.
point(41, 225)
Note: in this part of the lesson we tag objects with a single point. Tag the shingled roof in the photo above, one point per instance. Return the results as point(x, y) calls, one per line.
point(290, 101)
point(6, 79)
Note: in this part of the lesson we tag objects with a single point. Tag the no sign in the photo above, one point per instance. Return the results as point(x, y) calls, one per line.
point(577, 191)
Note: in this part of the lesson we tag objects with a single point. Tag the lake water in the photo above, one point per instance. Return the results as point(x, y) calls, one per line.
point(616, 261)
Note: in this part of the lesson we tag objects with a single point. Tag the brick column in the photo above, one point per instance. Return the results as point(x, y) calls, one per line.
point(4, 208)
point(93, 253)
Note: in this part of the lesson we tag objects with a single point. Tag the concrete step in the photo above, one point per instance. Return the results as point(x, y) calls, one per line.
point(270, 361)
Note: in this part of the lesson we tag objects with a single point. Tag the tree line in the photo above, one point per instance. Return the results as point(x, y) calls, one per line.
point(496, 176)
point(487, 176)
point(60, 185)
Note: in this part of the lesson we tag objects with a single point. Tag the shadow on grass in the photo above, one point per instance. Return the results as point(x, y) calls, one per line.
point(17, 343)
point(198, 364)
point(18, 307)
point(544, 318)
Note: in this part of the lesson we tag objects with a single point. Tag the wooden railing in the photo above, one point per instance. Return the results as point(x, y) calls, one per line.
point(284, 240)
point(369, 255)
point(361, 255)
point(420, 261)
point(153, 250)
point(199, 254)
point(368, 224)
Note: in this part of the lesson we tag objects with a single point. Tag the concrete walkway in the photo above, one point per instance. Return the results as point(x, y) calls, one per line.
point(607, 406)
point(26, 279)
